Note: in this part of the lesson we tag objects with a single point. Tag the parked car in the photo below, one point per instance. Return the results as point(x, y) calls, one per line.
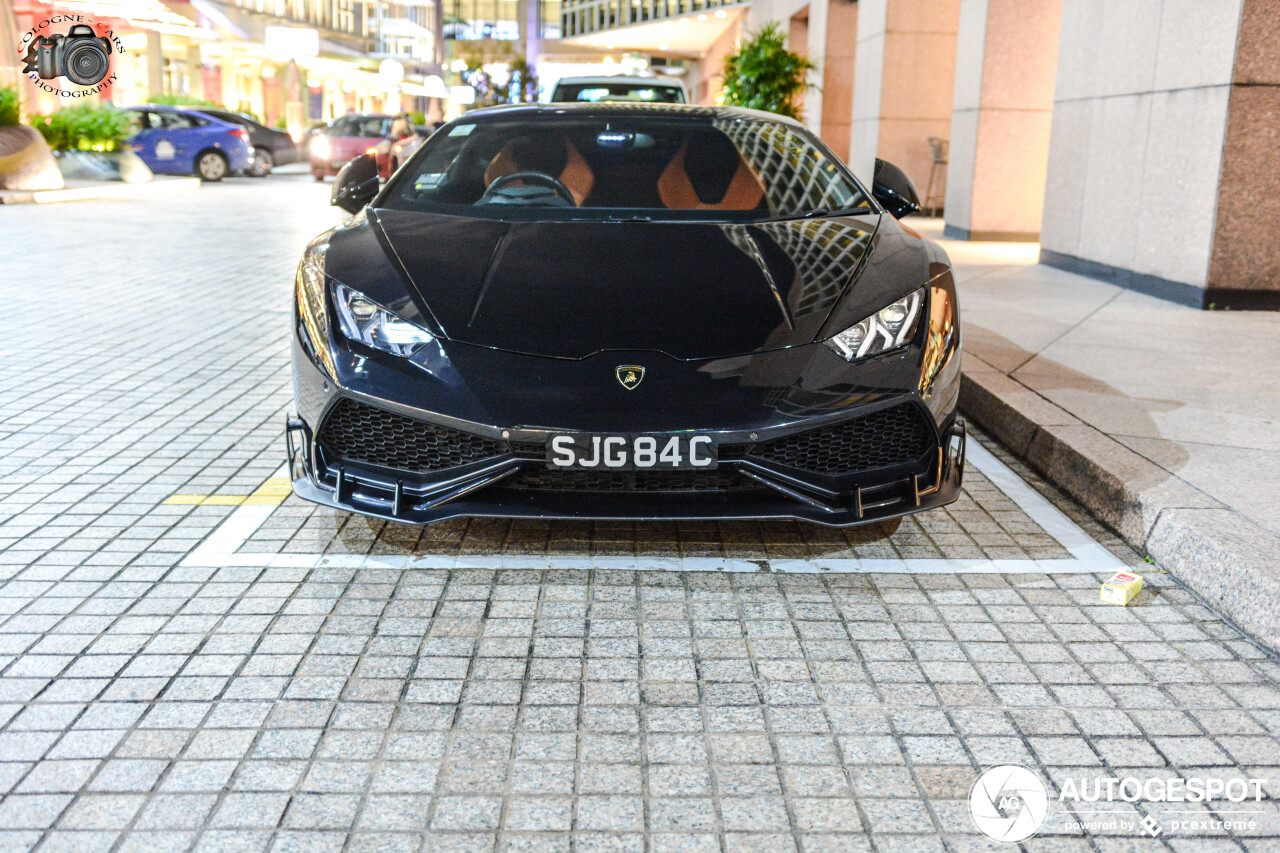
point(346, 138)
point(625, 311)
point(596, 90)
point(402, 149)
point(173, 141)
point(271, 147)
point(401, 129)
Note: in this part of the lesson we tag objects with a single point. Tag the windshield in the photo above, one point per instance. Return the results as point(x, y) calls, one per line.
point(593, 93)
point(368, 127)
point(708, 166)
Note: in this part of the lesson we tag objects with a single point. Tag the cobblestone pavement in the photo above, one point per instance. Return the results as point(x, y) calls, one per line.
point(983, 524)
point(148, 702)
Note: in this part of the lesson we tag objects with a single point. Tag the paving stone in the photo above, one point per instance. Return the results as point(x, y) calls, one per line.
point(151, 705)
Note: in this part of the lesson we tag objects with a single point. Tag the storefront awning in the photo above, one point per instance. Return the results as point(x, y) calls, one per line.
point(139, 14)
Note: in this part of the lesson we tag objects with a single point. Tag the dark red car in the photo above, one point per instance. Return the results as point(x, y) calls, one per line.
point(346, 138)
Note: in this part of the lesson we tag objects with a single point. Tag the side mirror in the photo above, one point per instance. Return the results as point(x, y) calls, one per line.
point(356, 184)
point(893, 189)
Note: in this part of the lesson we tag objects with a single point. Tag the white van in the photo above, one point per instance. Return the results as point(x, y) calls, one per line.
point(655, 90)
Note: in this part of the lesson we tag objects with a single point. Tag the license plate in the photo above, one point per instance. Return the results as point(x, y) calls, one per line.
point(632, 452)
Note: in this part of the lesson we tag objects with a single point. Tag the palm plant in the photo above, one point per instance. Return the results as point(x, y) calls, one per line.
point(763, 74)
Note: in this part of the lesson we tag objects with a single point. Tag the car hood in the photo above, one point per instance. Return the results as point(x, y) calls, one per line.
point(571, 289)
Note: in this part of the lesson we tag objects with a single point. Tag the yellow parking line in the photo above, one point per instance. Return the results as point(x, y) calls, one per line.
point(223, 500)
point(271, 493)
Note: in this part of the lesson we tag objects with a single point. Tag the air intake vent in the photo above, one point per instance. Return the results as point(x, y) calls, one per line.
point(359, 433)
point(889, 437)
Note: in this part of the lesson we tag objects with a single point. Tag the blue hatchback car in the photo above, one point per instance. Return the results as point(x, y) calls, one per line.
point(184, 142)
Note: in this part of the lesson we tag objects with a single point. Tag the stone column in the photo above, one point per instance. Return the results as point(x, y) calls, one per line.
point(195, 73)
point(530, 24)
point(1162, 174)
point(230, 94)
point(10, 63)
point(816, 23)
point(1006, 57)
point(904, 72)
point(1244, 265)
point(837, 75)
point(155, 64)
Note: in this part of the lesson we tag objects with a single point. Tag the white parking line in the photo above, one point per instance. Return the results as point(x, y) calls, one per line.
point(1087, 556)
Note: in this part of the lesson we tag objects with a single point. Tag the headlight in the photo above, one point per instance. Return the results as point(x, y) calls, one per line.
point(363, 320)
point(320, 147)
point(309, 294)
point(887, 329)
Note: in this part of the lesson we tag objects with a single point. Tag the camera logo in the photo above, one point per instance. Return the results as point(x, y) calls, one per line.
point(1009, 803)
point(80, 55)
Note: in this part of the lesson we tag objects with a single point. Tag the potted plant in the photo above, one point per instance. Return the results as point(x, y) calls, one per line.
point(26, 163)
point(89, 141)
point(763, 74)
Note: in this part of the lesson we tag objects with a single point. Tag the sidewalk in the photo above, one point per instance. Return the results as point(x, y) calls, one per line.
point(1163, 420)
point(92, 190)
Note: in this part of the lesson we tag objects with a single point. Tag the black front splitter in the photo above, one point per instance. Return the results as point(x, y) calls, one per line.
point(491, 499)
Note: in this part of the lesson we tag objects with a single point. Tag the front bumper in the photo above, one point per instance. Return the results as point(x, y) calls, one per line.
point(500, 489)
point(876, 440)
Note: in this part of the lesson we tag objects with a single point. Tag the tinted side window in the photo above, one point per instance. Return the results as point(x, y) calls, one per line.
point(594, 93)
point(361, 126)
point(170, 121)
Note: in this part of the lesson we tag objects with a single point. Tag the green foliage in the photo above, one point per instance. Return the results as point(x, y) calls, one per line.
point(8, 106)
point(85, 127)
point(763, 75)
point(170, 100)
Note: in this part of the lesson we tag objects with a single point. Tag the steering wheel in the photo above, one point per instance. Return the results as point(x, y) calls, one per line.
point(541, 179)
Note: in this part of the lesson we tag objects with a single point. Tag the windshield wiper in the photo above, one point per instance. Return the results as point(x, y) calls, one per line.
point(636, 218)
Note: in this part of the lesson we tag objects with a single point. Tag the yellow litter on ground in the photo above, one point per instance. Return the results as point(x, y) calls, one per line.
point(1122, 588)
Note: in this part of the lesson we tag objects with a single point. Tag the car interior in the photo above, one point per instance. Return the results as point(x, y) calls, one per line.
point(688, 168)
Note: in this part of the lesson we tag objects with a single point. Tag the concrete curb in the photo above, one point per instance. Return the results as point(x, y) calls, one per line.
point(86, 191)
point(1230, 562)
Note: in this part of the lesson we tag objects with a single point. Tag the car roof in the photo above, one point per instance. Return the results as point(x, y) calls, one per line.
point(165, 108)
point(625, 108)
point(227, 115)
point(621, 78)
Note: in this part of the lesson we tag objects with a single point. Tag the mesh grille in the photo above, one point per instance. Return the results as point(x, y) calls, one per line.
point(631, 481)
point(360, 433)
point(890, 437)
point(528, 448)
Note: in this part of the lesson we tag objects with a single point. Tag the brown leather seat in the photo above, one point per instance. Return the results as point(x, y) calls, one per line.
point(677, 191)
point(576, 173)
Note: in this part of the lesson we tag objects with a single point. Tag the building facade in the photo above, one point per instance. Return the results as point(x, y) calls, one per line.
point(290, 62)
point(1135, 139)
